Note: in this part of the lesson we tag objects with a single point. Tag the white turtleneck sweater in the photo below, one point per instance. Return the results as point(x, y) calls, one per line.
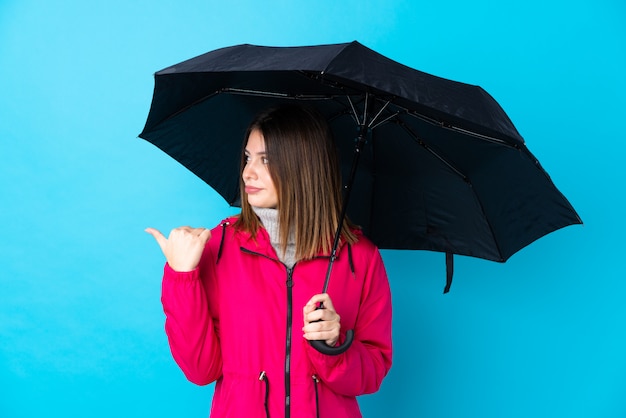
point(269, 219)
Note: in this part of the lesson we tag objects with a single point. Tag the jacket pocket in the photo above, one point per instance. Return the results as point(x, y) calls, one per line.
point(238, 395)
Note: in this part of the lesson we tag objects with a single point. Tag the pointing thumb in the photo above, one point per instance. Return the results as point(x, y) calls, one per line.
point(158, 236)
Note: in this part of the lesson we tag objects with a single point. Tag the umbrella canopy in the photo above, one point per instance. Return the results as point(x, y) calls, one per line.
point(442, 168)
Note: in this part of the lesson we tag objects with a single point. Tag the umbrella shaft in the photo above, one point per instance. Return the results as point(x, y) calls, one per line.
point(361, 140)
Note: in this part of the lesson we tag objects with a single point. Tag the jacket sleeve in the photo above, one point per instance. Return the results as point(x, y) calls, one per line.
point(191, 325)
point(361, 369)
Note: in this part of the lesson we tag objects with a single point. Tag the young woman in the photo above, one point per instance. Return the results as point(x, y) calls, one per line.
point(240, 300)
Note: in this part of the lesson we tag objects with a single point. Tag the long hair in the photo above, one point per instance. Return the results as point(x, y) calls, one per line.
point(304, 167)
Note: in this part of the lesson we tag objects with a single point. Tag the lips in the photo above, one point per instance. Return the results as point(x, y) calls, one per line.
point(251, 190)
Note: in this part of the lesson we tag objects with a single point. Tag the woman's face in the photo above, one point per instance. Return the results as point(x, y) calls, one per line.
point(259, 186)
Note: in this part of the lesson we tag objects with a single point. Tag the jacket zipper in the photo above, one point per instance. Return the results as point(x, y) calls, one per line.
point(289, 284)
point(288, 343)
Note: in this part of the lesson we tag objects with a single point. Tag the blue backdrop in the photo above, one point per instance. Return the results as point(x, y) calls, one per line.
point(81, 325)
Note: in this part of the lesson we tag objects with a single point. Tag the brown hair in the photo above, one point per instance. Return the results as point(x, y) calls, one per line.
point(304, 167)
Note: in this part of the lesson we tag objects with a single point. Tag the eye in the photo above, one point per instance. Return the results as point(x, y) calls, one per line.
point(246, 158)
point(265, 160)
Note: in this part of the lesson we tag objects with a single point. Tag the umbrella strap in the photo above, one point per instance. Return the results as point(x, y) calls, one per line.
point(449, 271)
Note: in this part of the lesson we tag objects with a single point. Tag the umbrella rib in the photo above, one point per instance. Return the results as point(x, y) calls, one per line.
point(354, 113)
point(365, 109)
point(432, 151)
point(393, 115)
point(479, 136)
point(449, 126)
point(463, 176)
point(260, 93)
point(382, 109)
point(185, 108)
point(373, 124)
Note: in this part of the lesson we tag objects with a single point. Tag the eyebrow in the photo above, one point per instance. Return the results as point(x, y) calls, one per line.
point(258, 153)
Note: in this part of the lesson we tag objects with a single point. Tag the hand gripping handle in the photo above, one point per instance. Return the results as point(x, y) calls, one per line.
point(324, 348)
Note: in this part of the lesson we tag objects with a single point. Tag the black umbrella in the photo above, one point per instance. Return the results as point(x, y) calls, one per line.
point(442, 167)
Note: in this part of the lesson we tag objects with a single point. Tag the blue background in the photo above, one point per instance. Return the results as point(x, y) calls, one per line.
point(81, 325)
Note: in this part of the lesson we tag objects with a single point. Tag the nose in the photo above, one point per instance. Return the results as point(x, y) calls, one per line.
point(248, 171)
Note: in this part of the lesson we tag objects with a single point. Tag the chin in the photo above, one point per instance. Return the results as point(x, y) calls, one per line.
point(262, 204)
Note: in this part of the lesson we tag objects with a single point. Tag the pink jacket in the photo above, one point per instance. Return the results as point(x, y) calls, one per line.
point(237, 319)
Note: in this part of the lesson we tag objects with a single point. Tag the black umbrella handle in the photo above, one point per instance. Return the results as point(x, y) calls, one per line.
point(324, 348)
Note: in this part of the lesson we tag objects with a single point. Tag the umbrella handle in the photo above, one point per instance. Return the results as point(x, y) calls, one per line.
point(324, 348)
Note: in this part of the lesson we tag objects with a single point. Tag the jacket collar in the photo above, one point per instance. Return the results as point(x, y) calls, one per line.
point(261, 243)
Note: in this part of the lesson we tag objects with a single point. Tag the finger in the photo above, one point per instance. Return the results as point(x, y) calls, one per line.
point(313, 316)
point(322, 298)
point(319, 326)
point(183, 229)
point(316, 328)
point(158, 236)
point(323, 318)
point(316, 299)
point(314, 336)
point(313, 312)
point(319, 335)
point(199, 231)
point(330, 337)
point(328, 303)
point(205, 235)
point(308, 308)
point(324, 315)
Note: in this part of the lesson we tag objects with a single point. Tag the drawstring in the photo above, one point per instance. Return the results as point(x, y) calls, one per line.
point(350, 259)
point(263, 377)
point(219, 252)
point(317, 400)
point(449, 271)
